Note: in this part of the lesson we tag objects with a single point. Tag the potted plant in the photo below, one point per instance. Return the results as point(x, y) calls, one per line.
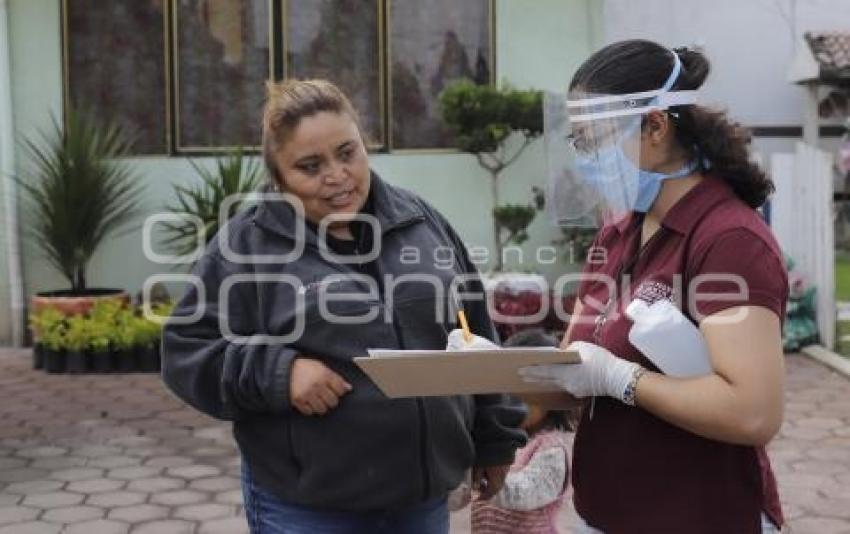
point(37, 348)
point(101, 358)
point(147, 340)
point(124, 339)
point(52, 339)
point(80, 191)
point(234, 174)
point(41, 322)
point(484, 120)
point(77, 343)
point(102, 318)
point(149, 334)
point(496, 125)
point(800, 322)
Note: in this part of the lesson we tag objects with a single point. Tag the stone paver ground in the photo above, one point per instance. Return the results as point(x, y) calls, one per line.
point(102, 454)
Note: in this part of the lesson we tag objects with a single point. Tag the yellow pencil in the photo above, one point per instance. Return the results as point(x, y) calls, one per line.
point(467, 335)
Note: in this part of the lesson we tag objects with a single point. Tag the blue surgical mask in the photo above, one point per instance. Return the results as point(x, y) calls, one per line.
point(649, 184)
point(603, 172)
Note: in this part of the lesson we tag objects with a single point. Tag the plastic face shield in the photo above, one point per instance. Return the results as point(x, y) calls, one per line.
point(592, 161)
point(592, 146)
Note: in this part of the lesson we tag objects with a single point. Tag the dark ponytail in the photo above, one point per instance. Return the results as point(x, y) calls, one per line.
point(639, 65)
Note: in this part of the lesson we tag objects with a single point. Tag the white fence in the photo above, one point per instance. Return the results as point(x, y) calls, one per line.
point(802, 219)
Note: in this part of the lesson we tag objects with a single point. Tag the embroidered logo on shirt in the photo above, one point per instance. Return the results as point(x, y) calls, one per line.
point(651, 291)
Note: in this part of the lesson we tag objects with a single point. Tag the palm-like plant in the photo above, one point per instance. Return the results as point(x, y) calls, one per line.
point(79, 192)
point(233, 174)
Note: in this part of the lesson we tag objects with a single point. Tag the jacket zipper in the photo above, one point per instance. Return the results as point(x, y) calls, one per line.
point(420, 403)
point(423, 434)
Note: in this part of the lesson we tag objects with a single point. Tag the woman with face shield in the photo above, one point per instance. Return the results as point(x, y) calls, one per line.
point(656, 450)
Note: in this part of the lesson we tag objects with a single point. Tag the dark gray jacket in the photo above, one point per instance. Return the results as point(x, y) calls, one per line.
point(370, 452)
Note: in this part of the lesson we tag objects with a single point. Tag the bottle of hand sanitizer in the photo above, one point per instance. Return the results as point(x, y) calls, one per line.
point(668, 339)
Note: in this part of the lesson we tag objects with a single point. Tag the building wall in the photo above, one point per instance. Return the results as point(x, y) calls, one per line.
point(750, 44)
point(539, 45)
point(6, 163)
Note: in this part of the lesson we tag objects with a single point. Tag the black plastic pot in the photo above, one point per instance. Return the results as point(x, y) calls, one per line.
point(103, 362)
point(125, 361)
point(76, 361)
point(148, 359)
point(38, 356)
point(54, 361)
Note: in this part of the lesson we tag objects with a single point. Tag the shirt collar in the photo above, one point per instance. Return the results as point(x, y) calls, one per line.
point(692, 207)
point(696, 203)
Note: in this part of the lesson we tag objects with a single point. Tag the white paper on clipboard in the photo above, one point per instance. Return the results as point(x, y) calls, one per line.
point(423, 373)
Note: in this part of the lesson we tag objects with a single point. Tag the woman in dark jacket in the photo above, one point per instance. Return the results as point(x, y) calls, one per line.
point(331, 262)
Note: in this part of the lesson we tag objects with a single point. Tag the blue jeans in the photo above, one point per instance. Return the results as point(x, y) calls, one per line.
point(267, 514)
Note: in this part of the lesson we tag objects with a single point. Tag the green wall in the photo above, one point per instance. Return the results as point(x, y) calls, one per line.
point(539, 44)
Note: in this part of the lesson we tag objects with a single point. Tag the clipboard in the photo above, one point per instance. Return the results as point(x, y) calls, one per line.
point(426, 373)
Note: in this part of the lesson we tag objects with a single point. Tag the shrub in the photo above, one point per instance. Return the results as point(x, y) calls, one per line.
point(123, 330)
point(99, 331)
point(45, 320)
point(51, 328)
point(78, 335)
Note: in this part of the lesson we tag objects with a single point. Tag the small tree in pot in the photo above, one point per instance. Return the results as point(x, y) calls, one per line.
point(484, 119)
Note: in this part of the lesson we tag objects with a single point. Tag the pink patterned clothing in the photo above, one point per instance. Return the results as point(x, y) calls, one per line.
point(533, 493)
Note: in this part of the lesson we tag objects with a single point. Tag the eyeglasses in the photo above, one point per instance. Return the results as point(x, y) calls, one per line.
point(583, 143)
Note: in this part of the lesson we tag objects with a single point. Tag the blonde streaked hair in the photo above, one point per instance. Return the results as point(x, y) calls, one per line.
point(289, 101)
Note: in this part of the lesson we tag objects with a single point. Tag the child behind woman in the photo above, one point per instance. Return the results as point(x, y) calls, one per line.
point(535, 488)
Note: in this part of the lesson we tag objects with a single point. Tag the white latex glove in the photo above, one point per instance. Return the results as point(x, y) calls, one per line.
point(457, 342)
point(600, 373)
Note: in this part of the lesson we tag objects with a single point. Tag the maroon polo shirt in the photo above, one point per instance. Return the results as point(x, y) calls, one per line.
point(632, 472)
